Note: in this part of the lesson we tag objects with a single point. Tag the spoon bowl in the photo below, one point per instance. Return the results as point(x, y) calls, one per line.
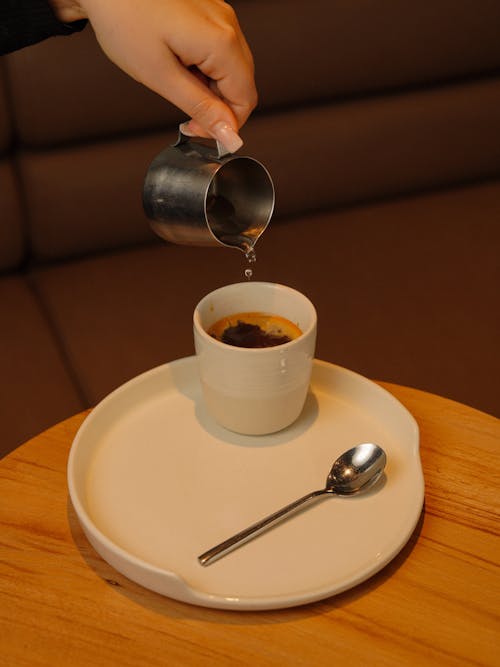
point(354, 471)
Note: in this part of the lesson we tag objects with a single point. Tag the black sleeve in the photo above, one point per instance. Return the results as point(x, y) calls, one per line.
point(25, 22)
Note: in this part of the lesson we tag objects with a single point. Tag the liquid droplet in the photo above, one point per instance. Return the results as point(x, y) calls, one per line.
point(251, 258)
point(250, 255)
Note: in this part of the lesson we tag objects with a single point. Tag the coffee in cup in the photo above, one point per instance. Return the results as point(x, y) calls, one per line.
point(254, 330)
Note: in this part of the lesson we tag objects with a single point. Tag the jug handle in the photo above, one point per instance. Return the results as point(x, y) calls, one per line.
point(184, 139)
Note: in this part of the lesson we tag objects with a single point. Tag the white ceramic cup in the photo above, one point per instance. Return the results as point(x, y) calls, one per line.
point(255, 391)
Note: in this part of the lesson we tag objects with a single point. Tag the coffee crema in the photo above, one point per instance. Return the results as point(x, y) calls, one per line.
point(253, 330)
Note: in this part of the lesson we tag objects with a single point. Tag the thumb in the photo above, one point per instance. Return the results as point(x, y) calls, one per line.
point(210, 115)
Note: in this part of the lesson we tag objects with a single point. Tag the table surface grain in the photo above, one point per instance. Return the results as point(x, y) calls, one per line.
point(436, 603)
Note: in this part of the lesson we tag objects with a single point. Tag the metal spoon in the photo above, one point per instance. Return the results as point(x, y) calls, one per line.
point(354, 471)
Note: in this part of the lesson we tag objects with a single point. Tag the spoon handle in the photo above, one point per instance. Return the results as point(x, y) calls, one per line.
point(257, 528)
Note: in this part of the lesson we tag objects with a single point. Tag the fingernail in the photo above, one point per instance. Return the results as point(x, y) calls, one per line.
point(185, 129)
point(230, 139)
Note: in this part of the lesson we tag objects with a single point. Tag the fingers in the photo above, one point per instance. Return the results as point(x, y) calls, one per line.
point(157, 41)
point(211, 116)
point(67, 11)
point(222, 54)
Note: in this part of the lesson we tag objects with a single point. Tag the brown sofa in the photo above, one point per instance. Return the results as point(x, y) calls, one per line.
point(380, 124)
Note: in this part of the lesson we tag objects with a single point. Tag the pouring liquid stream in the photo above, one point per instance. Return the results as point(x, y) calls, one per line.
point(251, 258)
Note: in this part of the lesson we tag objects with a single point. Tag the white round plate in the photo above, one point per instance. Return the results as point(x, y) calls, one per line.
point(155, 482)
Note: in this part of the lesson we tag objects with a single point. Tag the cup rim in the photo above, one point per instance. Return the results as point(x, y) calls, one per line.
point(254, 350)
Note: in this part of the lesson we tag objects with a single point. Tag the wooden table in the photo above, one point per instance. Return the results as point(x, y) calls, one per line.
point(436, 603)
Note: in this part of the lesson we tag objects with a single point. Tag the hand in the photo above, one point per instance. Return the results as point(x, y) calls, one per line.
point(192, 52)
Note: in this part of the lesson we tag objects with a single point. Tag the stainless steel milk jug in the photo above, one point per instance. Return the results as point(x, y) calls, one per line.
point(197, 194)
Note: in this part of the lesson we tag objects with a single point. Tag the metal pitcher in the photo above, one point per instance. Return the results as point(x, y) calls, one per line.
point(197, 194)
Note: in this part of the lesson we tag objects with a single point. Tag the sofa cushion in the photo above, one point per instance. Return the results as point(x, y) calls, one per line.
point(119, 314)
point(344, 153)
point(405, 292)
point(36, 389)
point(87, 198)
point(327, 49)
point(5, 117)
point(89, 97)
point(11, 222)
point(304, 51)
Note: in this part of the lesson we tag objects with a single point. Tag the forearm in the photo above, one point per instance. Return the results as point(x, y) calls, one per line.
point(25, 22)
